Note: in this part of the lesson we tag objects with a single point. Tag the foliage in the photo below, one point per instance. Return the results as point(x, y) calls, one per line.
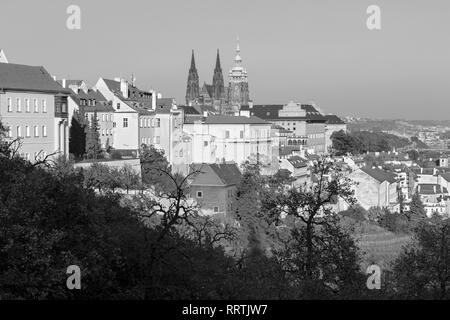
point(93, 145)
point(155, 169)
point(356, 212)
point(422, 269)
point(360, 142)
point(77, 135)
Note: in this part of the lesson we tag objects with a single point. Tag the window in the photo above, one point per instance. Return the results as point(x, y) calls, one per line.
point(27, 105)
point(44, 106)
point(143, 141)
point(181, 153)
point(227, 134)
point(36, 131)
point(110, 132)
point(44, 131)
point(103, 117)
point(9, 105)
point(36, 106)
point(142, 123)
point(125, 122)
point(19, 105)
point(9, 132)
point(19, 132)
point(27, 131)
point(199, 194)
point(27, 156)
point(103, 132)
point(242, 134)
point(158, 122)
point(157, 140)
point(114, 124)
point(216, 209)
point(205, 143)
point(118, 106)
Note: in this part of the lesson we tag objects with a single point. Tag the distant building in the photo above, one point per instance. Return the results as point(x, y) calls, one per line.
point(306, 123)
point(298, 167)
point(214, 187)
point(90, 103)
point(375, 188)
point(34, 108)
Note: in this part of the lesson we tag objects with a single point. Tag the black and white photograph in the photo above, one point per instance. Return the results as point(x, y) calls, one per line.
point(206, 152)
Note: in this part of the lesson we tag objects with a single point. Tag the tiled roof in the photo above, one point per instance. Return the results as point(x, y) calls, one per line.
point(28, 78)
point(113, 85)
point(425, 171)
point(429, 188)
point(71, 82)
point(167, 102)
point(222, 119)
point(189, 110)
point(223, 174)
point(380, 175)
point(446, 176)
point(333, 119)
point(271, 112)
point(297, 162)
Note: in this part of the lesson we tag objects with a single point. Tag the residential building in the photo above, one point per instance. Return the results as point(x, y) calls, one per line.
point(35, 109)
point(299, 169)
point(219, 138)
point(214, 186)
point(375, 188)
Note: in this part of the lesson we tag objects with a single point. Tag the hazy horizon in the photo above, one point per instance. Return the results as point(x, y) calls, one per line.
point(304, 51)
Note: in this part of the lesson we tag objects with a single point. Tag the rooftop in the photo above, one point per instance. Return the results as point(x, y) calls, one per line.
point(271, 112)
point(222, 119)
point(28, 78)
point(380, 175)
point(216, 174)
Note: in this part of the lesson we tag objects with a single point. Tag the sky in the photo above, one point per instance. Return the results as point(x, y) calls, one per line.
point(317, 51)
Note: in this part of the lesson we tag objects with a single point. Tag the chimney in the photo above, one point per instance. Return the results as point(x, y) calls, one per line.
point(153, 99)
point(250, 104)
point(205, 114)
point(63, 83)
point(124, 88)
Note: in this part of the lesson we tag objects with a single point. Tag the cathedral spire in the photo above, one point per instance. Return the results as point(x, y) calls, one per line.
point(193, 89)
point(238, 59)
point(218, 67)
point(193, 61)
point(218, 84)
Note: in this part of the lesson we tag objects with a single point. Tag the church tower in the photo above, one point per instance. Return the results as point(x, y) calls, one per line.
point(218, 84)
point(238, 88)
point(193, 88)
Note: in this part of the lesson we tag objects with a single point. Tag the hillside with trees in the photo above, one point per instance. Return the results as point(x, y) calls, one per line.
point(360, 142)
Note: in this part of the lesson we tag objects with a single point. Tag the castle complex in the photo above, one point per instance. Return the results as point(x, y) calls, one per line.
point(223, 99)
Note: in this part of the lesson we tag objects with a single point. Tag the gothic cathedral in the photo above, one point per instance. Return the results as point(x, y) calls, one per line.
point(223, 99)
